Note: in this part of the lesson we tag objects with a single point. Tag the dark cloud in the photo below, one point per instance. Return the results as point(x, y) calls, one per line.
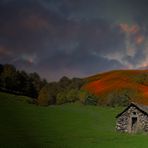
point(74, 38)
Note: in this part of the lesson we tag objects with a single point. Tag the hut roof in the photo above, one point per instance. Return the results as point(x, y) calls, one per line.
point(142, 108)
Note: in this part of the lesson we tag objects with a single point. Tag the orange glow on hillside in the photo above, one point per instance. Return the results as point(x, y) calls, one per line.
point(103, 84)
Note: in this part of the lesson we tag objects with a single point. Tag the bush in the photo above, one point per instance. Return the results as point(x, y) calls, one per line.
point(72, 95)
point(87, 98)
point(61, 98)
point(91, 100)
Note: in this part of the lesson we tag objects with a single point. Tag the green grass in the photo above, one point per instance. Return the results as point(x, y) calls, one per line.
point(65, 126)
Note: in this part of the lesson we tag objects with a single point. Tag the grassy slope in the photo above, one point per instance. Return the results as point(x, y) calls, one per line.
point(65, 126)
point(105, 83)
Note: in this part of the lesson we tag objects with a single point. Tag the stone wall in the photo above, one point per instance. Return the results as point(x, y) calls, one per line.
point(123, 122)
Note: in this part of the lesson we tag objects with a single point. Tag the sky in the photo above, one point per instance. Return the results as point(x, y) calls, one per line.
point(74, 38)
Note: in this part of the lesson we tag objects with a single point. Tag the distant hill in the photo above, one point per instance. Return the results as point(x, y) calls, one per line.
point(119, 86)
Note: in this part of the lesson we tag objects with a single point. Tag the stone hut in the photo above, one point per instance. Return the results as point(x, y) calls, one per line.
point(133, 119)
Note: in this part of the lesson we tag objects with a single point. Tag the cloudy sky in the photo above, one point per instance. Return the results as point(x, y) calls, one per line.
point(76, 38)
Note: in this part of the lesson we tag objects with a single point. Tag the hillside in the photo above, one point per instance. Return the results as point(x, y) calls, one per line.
point(119, 85)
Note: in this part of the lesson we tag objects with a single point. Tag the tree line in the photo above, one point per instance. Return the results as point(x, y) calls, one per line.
point(65, 91)
point(44, 93)
point(20, 82)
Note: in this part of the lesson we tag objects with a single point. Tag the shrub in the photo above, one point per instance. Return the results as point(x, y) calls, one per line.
point(72, 95)
point(61, 98)
point(87, 98)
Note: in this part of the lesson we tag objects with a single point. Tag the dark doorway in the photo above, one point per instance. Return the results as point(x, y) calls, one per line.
point(134, 124)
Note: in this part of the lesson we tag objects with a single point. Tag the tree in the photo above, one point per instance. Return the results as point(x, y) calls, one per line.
point(44, 97)
point(36, 80)
point(1, 70)
point(48, 94)
point(64, 83)
point(72, 95)
point(8, 77)
point(53, 89)
point(21, 81)
point(76, 83)
point(36, 84)
point(29, 84)
point(61, 98)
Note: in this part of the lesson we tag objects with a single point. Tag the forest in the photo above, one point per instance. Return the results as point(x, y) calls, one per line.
point(43, 93)
point(20, 82)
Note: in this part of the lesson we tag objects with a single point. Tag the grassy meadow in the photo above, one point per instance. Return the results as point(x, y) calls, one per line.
point(64, 126)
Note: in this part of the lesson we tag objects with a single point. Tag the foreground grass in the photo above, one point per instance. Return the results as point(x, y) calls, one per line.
point(65, 126)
